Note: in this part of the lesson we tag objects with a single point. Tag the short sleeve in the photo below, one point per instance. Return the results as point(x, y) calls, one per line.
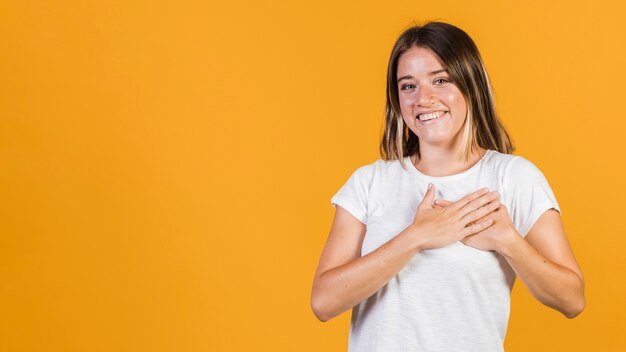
point(531, 194)
point(353, 195)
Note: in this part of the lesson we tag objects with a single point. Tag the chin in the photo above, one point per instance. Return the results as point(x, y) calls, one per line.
point(435, 140)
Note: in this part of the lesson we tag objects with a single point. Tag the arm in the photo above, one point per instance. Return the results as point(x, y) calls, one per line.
point(344, 278)
point(543, 258)
point(545, 263)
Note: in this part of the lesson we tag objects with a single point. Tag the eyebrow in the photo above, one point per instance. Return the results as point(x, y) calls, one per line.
point(431, 74)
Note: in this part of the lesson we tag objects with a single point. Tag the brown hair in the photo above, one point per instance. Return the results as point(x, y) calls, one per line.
point(460, 55)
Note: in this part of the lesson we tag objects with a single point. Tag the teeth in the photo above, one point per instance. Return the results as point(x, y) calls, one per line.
point(430, 116)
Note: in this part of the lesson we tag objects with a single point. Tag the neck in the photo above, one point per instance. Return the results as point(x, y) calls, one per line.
point(445, 161)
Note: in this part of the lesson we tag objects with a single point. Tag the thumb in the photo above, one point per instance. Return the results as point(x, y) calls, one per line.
point(429, 197)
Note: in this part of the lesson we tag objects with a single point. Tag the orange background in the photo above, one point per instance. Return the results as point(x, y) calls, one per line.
point(167, 166)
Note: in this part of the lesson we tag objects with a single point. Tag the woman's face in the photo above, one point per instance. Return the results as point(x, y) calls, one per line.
point(432, 106)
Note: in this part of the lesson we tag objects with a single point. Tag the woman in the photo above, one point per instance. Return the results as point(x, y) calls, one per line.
point(426, 242)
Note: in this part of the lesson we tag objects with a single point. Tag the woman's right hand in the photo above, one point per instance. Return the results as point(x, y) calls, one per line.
point(436, 227)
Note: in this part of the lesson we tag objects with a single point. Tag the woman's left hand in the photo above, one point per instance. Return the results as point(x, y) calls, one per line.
point(493, 237)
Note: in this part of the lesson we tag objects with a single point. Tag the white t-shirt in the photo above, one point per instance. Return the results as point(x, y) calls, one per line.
point(453, 298)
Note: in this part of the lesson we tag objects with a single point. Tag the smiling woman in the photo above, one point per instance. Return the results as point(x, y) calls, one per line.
point(429, 274)
point(432, 106)
point(453, 70)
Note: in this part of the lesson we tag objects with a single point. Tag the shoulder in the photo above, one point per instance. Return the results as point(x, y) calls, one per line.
point(523, 168)
point(513, 166)
point(377, 172)
point(363, 174)
point(501, 159)
point(378, 166)
point(518, 174)
point(366, 170)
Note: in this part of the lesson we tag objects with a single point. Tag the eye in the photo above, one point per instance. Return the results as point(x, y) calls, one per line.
point(441, 81)
point(407, 86)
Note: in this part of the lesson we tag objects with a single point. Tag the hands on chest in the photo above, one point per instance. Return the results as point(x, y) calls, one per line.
point(478, 220)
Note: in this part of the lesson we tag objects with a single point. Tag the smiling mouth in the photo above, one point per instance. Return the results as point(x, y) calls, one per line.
point(430, 116)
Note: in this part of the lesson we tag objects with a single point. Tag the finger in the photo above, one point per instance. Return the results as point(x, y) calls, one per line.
point(468, 198)
point(481, 212)
point(475, 228)
point(479, 202)
point(468, 238)
point(442, 202)
point(429, 197)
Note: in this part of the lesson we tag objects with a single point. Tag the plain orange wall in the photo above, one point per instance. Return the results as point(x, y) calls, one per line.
point(167, 166)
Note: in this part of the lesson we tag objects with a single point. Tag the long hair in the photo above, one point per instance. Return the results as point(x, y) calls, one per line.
point(460, 56)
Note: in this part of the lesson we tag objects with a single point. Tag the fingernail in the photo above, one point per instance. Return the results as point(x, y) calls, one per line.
point(430, 186)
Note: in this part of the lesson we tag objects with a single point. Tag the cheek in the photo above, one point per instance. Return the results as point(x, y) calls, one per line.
point(456, 101)
point(406, 100)
point(406, 104)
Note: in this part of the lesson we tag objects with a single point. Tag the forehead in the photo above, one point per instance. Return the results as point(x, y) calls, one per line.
point(418, 60)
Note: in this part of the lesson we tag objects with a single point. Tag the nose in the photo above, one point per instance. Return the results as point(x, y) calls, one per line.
point(425, 96)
